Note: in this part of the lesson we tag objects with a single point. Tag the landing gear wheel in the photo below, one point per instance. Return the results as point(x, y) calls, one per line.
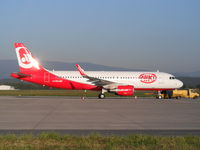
point(101, 96)
point(159, 96)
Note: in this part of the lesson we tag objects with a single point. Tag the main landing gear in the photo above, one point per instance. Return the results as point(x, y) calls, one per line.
point(102, 95)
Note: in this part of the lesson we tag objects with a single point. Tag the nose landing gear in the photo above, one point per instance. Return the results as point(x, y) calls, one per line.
point(159, 96)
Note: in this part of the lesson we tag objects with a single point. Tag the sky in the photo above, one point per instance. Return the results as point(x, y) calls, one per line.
point(137, 34)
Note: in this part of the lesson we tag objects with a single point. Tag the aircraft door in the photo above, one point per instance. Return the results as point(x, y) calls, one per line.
point(46, 77)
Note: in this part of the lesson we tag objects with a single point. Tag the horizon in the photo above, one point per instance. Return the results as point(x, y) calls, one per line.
point(89, 65)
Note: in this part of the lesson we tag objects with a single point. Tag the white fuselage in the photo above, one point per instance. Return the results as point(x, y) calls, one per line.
point(140, 80)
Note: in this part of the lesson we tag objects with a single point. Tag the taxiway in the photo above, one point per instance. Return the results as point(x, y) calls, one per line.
point(67, 113)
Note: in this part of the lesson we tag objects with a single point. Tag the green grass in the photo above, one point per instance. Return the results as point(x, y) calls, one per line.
point(63, 93)
point(53, 141)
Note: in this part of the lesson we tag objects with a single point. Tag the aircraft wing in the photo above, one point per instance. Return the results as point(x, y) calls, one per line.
point(95, 81)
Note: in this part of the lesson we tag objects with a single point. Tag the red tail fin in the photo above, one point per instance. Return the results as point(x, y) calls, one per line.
point(27, 62)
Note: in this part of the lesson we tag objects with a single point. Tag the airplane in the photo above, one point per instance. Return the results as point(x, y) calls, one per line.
point(120, 83)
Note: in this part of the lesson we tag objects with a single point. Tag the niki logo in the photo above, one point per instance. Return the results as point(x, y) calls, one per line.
point(25, 58)
point(148, 78)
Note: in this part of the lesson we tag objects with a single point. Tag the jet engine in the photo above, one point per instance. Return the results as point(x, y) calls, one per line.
point(125, 90)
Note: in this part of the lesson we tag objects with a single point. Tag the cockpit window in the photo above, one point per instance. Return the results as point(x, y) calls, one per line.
point(172, 78)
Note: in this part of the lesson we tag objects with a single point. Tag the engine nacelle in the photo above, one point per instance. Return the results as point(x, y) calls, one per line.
point(125, 90)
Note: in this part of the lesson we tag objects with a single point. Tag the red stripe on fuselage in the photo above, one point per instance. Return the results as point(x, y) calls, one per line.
point(153, 89)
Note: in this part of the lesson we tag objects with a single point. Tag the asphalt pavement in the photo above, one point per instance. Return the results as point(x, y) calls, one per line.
point(108, 116)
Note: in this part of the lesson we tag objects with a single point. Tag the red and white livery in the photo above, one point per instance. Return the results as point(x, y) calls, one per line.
point(120, 83)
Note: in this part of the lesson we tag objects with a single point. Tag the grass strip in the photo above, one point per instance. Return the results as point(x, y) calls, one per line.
point(52, 141)
point(65, 93)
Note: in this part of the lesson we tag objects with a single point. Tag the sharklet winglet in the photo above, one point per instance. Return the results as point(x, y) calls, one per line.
point(81, 71)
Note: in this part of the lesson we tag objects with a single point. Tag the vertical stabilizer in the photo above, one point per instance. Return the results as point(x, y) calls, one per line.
point(27, 62)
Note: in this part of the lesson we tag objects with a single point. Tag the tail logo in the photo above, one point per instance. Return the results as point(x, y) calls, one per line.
point(25, 58)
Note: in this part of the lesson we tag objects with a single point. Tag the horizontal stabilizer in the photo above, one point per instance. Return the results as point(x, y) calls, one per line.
point(19, 75)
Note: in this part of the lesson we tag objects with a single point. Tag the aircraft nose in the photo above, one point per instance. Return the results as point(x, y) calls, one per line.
point(179, 84)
